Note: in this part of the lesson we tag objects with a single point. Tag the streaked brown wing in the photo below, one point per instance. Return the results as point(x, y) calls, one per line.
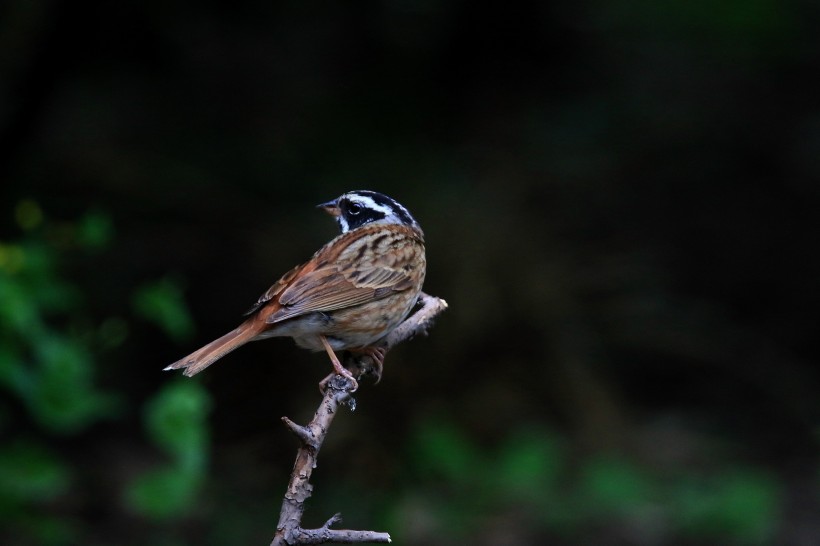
point(277, 287)
point(330, 290)
point(355, 269)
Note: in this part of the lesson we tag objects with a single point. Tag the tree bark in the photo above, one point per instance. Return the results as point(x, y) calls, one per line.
point(289, 531)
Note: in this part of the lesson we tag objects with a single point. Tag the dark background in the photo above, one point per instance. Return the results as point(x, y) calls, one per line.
point(620, 201)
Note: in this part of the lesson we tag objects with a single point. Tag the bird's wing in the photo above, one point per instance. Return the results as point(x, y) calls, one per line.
point(331, 288)
point(277, 287)
point(351, 270)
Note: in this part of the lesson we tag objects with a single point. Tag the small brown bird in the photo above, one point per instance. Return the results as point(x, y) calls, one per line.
point(351, 294)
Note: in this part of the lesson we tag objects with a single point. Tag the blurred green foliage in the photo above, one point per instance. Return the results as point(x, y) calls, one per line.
point(45, 358)
point(534, 479)
point(744, 504)
point(29, 473)
point(176, 423)
point(33, 477)
point(162, 303)
point(50, 349)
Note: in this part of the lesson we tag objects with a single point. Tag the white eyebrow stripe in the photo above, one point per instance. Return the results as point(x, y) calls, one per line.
point(369, 203)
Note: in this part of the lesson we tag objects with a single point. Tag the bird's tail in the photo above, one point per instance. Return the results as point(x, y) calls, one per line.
point(213, 351)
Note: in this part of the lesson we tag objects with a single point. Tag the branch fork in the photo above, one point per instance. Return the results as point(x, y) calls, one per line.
point(337, 392)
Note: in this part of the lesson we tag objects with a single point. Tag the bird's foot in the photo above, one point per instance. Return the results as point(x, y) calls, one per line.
point(337, 366)
point(377, 355)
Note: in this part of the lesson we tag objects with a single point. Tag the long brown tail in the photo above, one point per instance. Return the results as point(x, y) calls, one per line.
point(213, 351)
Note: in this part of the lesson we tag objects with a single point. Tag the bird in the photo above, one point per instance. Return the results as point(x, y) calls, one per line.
point(349, 295)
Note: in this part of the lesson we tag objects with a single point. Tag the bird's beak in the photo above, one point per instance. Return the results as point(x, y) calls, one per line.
point(331, 208)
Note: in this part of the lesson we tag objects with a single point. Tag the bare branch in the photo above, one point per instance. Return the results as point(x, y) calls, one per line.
point(337, 393)
point(429, 307)
point(419, 322)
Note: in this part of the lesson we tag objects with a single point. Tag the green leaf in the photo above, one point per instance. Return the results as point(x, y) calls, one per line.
point(163, 493)
point(531, 464)
point(19, 311)
point(28, 214)
point(176, 422)
point(95, 230)
point(743, 504)
point(176, 419)
point(163, 304)
point(15, 374)
point(63, 397)
point(614, 486)
point(29, 473)
point(12, 259)
point(441, 449)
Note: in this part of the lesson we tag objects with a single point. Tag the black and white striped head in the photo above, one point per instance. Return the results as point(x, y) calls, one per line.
point(357, 208)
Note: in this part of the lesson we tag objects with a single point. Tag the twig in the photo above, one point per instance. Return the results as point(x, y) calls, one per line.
point(337, 393)
point(429, 307)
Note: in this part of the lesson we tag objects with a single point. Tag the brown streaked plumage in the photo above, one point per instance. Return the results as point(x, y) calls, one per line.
point(350, 294)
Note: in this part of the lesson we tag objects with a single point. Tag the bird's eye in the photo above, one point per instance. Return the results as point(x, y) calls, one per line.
point(354, 208)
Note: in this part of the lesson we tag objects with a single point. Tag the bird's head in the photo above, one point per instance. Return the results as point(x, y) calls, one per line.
point(357, 208)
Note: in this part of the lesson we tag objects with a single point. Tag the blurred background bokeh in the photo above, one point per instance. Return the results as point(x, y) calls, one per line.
point(621, 206)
